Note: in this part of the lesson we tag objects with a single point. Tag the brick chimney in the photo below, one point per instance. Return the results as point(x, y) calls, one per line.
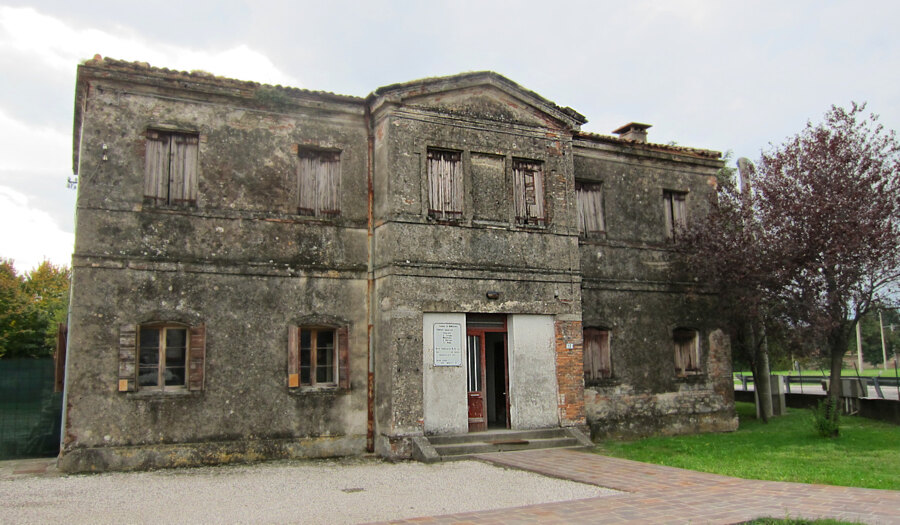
point(633, 131)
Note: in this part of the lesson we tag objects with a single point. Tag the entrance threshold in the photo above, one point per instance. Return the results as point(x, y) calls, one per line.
point(430, 449)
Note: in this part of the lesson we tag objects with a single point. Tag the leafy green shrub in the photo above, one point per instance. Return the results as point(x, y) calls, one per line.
point(826, 419)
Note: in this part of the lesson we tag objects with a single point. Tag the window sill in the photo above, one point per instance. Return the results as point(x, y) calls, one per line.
point(317, 390)
point(605, 382)
point(691, 377)
point(162, 394)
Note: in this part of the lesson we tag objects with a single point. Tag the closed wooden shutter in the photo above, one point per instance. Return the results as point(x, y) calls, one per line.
point(445, 185)
point(329, 184)
point(589, 201)
point(156, 168)
point(183, 169)
point(597, 363)
point(127, 357)
point(343, 345)
point(197, 358)
point(528, 182)
point(676, 213)
point(319, 183)
point(293, 353)
point(59, 357)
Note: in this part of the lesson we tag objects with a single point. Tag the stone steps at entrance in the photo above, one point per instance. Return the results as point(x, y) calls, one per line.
point(431, 449)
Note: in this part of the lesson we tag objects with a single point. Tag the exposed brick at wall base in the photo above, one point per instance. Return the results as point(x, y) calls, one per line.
point(144, 457)
point(671, 413)
point(570, 373)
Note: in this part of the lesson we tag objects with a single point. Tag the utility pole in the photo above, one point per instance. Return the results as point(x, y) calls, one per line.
point(883, 348)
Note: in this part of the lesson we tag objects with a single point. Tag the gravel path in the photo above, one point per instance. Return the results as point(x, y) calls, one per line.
point(326, 491)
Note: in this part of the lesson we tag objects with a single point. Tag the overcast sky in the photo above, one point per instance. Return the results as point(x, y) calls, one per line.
point(710, 74)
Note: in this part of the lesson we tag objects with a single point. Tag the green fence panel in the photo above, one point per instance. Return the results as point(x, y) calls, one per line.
point(30, 411)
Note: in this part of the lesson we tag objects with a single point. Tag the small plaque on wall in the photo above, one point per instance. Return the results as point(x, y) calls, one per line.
point(448, 344)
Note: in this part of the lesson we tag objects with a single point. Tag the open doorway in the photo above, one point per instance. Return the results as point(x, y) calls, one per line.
point(488, 371)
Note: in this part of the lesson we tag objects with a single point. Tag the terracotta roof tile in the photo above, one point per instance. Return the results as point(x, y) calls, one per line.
point(694, 152)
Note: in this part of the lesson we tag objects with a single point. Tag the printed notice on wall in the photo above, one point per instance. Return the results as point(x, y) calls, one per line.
point(447, 344)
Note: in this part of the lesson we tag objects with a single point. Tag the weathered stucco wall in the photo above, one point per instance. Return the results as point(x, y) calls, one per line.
point(631, 290)
point(532, 372)
point(240, 261)
point(424, 265)
point(444, 405)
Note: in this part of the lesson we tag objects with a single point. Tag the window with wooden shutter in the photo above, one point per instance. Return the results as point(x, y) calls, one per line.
point(319, 183)
point(597, 362)
point(318, 357)
point(687, 351)
point(162, 357)
point(589, 201)
point(675, 211)
point(445, 185)
point(528, 182)
point(170, 168)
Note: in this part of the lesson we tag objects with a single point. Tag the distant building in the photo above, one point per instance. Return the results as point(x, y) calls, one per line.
point(268, 272)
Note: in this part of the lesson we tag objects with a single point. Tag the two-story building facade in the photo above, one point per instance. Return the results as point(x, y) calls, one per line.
point(268, 272)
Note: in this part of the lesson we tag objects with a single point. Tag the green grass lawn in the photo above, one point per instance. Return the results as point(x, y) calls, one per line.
point(867, 453)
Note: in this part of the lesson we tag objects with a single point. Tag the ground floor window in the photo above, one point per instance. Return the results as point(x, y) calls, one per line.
point(687, 351)
point(597, 362)
point(318, 357)
point(161, 356)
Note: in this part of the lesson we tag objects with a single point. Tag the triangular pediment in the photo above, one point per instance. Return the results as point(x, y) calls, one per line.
point(480, 96)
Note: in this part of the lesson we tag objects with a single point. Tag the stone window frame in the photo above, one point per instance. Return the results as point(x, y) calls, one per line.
point(590, 194)
point(340, 358)
point(593, 374)
point(675, 212)
point(171, 168)
point(318, 181)
point(130, 352)
point(445, 179)
point(529, 173)
point(687, 352)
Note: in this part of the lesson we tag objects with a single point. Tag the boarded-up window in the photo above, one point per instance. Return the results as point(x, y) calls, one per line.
point(170, 169)
point(589, 198)
point(597, 363)
point(445, 185)
point(687, 351)
point(319, 183)
point(676, 215)
point(161, 356)
point(318, 356)
point(528, 181)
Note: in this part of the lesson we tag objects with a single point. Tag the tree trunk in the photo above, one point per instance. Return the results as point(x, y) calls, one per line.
point(761, 374)
point(837, 343)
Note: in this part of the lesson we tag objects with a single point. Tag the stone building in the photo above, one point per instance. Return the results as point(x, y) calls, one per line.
point(268, 272)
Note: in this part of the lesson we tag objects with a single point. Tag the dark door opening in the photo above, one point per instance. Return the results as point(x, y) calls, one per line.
point(488, 376)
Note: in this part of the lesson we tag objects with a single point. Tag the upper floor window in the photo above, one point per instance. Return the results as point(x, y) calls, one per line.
point(589, 200)
point(528, 182)
point(445, 185)
point(597, 362)
point(687, 351)
point(170, 170)
point(319, 183)
point(676, 215)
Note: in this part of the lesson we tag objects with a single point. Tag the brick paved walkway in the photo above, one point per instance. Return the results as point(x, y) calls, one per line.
point(657, 494)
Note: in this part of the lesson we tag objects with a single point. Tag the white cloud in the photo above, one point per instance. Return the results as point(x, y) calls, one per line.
point(36, 36)
point(30, 235)
point(24, 147)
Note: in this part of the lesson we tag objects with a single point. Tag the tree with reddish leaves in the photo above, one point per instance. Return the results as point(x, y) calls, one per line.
point(816, 241)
